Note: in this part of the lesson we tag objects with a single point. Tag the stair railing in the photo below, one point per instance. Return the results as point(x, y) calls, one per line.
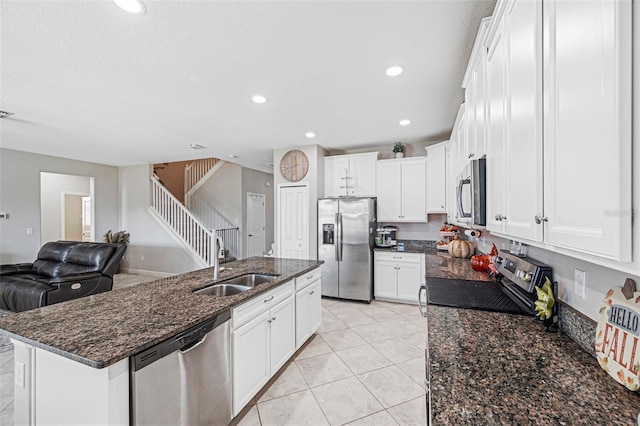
point(186, 226)
point(196, 170)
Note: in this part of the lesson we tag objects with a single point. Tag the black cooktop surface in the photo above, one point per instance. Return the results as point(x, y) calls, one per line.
point(481, 295)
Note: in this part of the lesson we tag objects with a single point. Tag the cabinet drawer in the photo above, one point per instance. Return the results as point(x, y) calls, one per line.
point(307, 279)
point(244, 313)
point(399, 257)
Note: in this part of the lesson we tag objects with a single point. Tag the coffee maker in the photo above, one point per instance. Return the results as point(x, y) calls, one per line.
point(386, 236)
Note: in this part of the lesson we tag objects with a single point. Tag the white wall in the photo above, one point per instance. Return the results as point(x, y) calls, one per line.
point(218, 202)
point(52, 186)
point(20, 198)
point(256, 182)
point(152, 247)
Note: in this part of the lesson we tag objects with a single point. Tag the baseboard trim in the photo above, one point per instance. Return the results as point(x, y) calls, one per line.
point(145, 272)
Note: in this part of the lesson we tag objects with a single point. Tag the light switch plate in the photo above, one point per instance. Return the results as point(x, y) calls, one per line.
point(580, 283)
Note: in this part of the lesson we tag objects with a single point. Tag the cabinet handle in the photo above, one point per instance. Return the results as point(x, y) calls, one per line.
point(273, 319)
point(471, 155)
point(312, 292)
point(268, 300)
point(397, 257)
point(269, 321)
point(539, 219)
point(309, 277)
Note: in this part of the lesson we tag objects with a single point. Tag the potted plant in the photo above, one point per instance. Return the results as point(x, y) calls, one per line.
point(120, 237)
point(398, 149)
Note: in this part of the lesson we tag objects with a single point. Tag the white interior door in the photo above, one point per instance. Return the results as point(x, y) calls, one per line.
point(86, 219)
point(293, 222)
point(255, 224)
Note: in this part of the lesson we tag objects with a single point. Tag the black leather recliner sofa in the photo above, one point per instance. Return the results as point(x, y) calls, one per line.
point(64, 270)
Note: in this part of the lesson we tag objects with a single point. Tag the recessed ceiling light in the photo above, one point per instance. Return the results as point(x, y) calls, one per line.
point(132, 6)
point(4, 114)
point(233, 156)
point(405, 122)
point(195, 146)
point(310, 135)
point(395, 71)
point(259, 99)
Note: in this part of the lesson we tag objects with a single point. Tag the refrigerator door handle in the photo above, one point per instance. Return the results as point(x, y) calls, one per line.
point(337, 236)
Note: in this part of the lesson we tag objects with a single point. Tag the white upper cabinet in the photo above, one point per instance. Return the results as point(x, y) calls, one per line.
point(587, 151)
point(352, 175)
point(523, 147)
point(402, 190)
point(475, 95)
point(514, 155)
point(436, 178)
point(559, 137)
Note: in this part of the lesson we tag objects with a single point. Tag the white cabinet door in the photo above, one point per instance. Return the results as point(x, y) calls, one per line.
point(363, 171)
point(587, 157)
point(282, 338)
point(523, 148)
point(303, 307)
point(385, 278)
point(409, 279)
point(389, 191)
point(436, 178)
point(336, 171)
point(496, 100)
point(251, 366)
point(414, 190)
point(315, 307)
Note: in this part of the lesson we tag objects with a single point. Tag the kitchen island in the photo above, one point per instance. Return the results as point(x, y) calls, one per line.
point(73, 357)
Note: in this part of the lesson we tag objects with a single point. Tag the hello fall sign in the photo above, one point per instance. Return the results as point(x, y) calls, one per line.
point(618, 335)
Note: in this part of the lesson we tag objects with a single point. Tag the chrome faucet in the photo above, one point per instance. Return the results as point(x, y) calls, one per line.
point(218, 253)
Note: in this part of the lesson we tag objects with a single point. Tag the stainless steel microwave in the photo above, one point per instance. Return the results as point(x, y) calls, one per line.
point(471, 193)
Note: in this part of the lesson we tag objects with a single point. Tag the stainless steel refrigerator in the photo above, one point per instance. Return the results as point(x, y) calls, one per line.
point(346, 229)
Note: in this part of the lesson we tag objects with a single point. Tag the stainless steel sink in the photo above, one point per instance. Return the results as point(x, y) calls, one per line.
point(222, 290)
point(250, 280)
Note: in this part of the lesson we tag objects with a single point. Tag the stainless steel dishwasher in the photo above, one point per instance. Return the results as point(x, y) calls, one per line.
point(185, 380)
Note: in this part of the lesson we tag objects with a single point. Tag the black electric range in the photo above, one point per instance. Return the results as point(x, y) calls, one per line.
point(513, 290)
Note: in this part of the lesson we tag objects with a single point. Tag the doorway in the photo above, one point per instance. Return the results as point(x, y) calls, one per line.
point(293, 221)
point(66, 207)
point(256, 218)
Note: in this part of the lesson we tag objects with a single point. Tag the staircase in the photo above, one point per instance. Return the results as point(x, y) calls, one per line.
point(190, 230)
point(197, 173)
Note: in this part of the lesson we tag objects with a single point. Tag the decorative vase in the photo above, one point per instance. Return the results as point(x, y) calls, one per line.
point(399, 154)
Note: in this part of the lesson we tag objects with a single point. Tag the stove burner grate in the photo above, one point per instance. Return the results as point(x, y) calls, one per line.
point(481, 295)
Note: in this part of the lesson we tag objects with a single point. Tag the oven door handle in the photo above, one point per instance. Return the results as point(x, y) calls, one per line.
point(423, 309)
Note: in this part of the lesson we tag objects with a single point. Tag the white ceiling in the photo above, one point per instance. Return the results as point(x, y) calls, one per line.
point(88, 81)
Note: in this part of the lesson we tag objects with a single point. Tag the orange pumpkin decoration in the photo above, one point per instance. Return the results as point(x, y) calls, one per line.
point(480, 262)
point(461, 248)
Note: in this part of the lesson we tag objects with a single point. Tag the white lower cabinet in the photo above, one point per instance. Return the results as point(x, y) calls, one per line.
point(263, 339)
point(398, 276)
point(308, 312)
point(268, 329)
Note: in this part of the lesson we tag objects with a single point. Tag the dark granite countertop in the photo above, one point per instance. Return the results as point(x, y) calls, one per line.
point(103, 329)
point(500, 369)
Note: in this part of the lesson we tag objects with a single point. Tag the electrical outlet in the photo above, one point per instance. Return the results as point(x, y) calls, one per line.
point(142, 257)
point(580, 283)
point(29, 231)
point(19, 374)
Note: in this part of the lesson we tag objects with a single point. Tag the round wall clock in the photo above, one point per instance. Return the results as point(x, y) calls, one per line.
point(294, 165)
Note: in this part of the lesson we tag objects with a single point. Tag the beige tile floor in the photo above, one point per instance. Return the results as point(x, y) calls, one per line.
point(365, 366)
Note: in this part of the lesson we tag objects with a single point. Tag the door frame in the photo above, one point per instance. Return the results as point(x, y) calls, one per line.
point(279, 187)
point(63, 212)
point(264, 220)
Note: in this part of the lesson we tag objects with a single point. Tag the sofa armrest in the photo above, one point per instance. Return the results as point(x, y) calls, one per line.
point(18, 268)
point(67, 280)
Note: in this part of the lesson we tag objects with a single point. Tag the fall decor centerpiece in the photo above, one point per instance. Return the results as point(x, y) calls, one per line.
point(461, 248)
